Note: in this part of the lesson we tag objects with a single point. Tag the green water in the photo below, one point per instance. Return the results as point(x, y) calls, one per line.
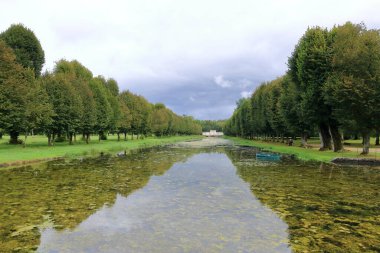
point(189, 200)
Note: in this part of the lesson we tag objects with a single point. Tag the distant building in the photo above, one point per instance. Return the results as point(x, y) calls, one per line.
point(212, 133)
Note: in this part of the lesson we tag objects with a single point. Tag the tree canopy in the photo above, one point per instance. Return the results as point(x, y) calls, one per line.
point(332, 85)
point(26, 47)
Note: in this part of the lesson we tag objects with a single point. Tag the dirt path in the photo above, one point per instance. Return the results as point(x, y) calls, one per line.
point(204, 143)
point(357, 150)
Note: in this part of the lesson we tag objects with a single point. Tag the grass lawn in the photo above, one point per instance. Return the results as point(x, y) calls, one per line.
point(37, 147)
point(312, 153)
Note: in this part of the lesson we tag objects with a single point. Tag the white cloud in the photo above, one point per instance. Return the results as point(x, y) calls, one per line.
point(153, 47)
point(219, 80)
point(245, 94)
point(244, 83)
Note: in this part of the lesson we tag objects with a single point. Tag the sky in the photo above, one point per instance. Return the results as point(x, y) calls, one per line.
point(198, 57)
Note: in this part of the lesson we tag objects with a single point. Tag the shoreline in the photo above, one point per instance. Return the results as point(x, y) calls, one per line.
point(80, 149)
point(305, 154)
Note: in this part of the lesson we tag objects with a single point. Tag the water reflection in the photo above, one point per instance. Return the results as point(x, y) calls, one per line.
point(328, 208)
point(61, 195)
point(189, 200)
point(196, 206)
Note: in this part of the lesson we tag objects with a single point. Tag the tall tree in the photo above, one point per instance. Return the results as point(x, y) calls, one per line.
point(354, 87)
point(67, 106)
point(26, 47)
point(309, 67)
point(124, 123)
point(80, 77)
point(103, 108)
point(160, 119)
point(22, 102)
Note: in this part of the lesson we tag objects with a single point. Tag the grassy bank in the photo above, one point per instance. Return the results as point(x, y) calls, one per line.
point(309, 153)
point(37, 148)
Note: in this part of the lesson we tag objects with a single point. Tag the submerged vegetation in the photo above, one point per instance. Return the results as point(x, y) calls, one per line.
point(61, 195)
point(332, 87)
point(328, 208)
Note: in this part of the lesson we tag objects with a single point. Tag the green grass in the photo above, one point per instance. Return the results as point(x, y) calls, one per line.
point(37, 148)
point(303, 153)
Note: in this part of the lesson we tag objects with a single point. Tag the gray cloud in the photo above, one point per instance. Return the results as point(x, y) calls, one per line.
point(198, 57)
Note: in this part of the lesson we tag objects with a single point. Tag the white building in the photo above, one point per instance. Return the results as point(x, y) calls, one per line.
point(212, 133)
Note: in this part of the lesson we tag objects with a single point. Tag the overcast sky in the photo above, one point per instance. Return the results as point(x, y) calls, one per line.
point(196, 56)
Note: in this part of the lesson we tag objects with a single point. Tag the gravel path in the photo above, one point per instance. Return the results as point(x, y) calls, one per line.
point(204, 143)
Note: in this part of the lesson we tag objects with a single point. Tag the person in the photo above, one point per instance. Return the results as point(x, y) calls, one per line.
point(290, 143)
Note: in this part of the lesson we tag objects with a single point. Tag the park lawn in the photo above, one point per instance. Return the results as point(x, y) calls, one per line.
point(302, 153)
point(37, 148)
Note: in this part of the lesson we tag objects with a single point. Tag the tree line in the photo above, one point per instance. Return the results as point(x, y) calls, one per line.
point(208, 125)
point(332, 86)
point(69, 100)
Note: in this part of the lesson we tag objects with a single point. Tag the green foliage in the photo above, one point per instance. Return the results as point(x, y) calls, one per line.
point(69, 100)
point(333, 81)
point(161, 119)
point(80, 78)
point(23, 103)
point(354, 87)
point(103, 108)
point(66, 102)
point(208, 125)
point(26, 47)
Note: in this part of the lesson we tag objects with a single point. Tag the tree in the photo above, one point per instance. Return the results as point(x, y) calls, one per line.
point(80, 77)
point(39, 111)
point(67, 106)
point(354, 87)
point(113, 87)
point(22, 101)
point(160, 119)
point(103, 108)
point(309, 67)
point(26, 47)
point(112, 93)
point(124, 123)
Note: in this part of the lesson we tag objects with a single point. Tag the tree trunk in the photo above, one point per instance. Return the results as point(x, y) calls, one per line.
point(13, 137)
point(75, 137)
point(366, 142)
point(1, 135)
point(304, 140)
point(53, 139)
point(377, 142)
point(26, 136)
point(70, 138)
point(118, 136)
point(87, 138)
point(49, 140)
point(132, 136)
point(336, 137)
point(125, 136)
point(324, 136)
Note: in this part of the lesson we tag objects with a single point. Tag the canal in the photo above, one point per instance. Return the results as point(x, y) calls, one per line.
point(212, 197)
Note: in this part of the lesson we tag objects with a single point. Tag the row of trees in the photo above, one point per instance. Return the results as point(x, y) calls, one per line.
point(69, 100)
point(332, 86)
point(208, 125)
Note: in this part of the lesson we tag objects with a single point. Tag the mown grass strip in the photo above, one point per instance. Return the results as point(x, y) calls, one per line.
point(301, 153)
point(37, 148)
